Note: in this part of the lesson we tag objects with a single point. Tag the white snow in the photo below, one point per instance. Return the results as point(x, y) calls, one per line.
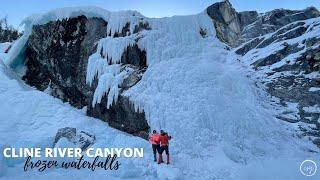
point(109, 84)
point(163, 42)
point(113, 48)
point(256, 54)
point(312, 109)
point(177, 36)
point(116, 21)
point(314, 89)
point(193, 88)
point(3, 48)
point(34, 121)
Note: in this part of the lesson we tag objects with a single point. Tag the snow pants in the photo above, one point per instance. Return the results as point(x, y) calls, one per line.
point(164, 148)
point(156, 148)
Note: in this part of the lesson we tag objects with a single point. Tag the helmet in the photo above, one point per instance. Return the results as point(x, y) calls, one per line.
point(154, 131)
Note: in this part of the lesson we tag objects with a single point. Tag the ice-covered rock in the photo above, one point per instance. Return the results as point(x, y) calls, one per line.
point(235, 28)
point(286, 62)
point(59, 61)
point(68, 136)
point(273, 20)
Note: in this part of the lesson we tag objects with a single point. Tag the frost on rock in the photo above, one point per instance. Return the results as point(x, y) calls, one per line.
point(105, 66)
point(178, 36)
point(164, 42)
point(108, 84)
point(285, 62)
point(109, 50)
point(116, 22)
point(113, 48)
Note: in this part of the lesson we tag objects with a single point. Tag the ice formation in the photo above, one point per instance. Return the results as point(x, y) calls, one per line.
point(164, 41)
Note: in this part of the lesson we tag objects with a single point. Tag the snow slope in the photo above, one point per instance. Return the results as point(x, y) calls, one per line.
point(3, 49)
point(289, 66)
point(193, 88)
point(256, 53)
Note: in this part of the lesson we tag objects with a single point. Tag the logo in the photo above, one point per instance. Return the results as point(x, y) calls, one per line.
point(308, 168)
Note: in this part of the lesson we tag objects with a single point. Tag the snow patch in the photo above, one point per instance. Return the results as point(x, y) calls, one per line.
point(314, 89)
point(312, 109)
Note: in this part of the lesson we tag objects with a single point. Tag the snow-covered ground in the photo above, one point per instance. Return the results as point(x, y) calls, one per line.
point(313, 31)
point(3, 48)
point(271, 73)
point(193, 88)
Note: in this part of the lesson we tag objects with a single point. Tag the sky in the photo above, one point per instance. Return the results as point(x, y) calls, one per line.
point(17, 10)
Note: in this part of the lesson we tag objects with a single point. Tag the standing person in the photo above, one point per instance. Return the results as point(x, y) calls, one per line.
point(154, 139)
point(164, 143)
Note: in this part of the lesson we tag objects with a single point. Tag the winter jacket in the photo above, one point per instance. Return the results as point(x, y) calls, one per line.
point(154, 138)
point(164, 139)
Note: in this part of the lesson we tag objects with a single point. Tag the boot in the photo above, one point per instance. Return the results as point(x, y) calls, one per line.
point(160, 159)
point(168, 159)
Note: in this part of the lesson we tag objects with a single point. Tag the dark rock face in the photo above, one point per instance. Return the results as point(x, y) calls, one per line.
point(123, 115)
point(134, 56)
point(57, 56)
point(248, 46)
point(289, 32)
point(278, 56)
point(226, 22)
point(235, 28)
point(273, 20)
point(247, 17)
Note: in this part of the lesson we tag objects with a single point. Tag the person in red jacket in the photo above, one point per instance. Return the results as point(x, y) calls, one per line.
point(164, 143)
point(154, 140)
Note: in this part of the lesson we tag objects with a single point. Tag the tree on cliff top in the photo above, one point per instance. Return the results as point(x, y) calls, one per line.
point(7, 33)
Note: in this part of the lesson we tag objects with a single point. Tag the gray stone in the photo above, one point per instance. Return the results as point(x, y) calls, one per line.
point(80, 139)
point(226, 21)
point(247, 17)
point(277, 56)
point(68, 133)
point(275, 19)
point(248, 46)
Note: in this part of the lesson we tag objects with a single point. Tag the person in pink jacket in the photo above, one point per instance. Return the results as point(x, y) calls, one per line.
point(154, 140)
point(164, 141)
